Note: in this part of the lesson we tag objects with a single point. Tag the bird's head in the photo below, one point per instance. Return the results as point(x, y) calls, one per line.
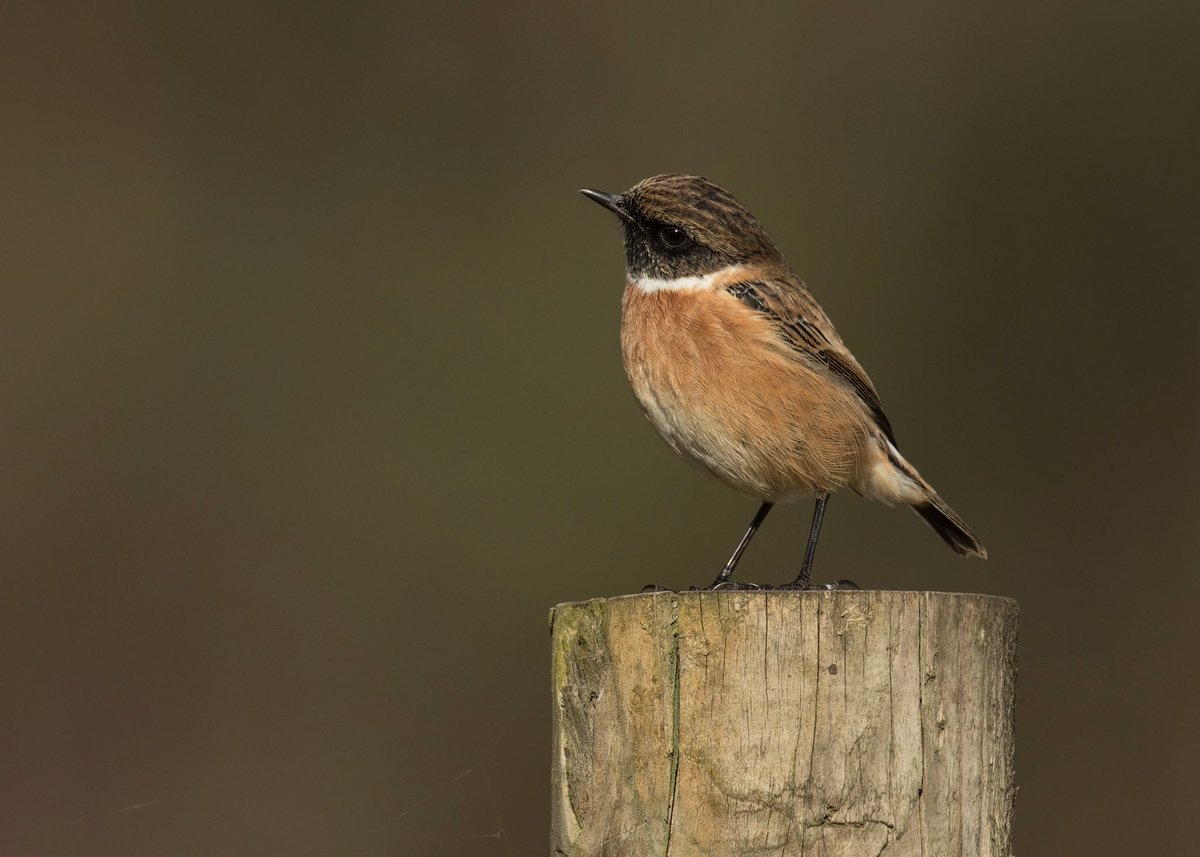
point(685, 226)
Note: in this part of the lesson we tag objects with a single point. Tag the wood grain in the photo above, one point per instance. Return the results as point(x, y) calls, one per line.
point(783, 723)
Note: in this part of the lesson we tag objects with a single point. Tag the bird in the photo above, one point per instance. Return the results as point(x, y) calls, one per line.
point(741, 371)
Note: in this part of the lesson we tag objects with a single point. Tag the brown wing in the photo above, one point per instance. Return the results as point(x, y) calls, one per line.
point(805, 327)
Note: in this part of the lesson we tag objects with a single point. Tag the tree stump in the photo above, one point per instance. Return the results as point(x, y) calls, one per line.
point(783, 723)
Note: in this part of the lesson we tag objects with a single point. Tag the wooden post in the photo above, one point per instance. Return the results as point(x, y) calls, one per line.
point(836, 724)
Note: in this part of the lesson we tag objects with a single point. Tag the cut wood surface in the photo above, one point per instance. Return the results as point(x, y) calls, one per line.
point(831, 724)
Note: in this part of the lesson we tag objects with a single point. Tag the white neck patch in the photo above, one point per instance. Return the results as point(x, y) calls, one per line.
point(649, 285)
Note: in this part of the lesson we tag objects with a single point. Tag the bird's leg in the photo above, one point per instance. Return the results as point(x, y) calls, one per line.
point(805, 578)
point(722, 581)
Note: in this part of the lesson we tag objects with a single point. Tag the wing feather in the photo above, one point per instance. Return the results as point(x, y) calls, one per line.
point(805, 327)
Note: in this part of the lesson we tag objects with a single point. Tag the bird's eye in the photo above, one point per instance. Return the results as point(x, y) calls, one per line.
point(672, 237)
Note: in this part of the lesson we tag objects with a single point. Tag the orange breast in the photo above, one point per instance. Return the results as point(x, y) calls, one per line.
point(732, 398)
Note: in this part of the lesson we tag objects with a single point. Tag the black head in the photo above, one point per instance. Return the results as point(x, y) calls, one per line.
point(681, 226)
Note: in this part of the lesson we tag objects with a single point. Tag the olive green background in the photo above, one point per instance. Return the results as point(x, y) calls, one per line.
point(311, 401)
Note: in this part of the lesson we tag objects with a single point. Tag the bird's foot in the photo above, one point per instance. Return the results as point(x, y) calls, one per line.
point(728, 586)
point(800, 586)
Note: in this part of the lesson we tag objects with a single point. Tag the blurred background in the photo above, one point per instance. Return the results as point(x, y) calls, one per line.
point(312, 402)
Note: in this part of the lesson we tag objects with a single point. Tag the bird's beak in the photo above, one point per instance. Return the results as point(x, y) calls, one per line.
point(611, 201)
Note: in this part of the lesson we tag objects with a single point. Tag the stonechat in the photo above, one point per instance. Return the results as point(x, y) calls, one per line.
point(741, 371)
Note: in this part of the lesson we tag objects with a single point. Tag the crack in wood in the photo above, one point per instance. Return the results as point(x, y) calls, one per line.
point(910, 749)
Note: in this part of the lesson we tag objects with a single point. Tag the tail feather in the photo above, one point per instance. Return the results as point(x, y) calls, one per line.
point(920, 495)
point(953, 529)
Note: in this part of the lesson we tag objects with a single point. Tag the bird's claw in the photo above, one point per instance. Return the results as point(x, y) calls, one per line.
point(728, 586)
point(837, 585)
